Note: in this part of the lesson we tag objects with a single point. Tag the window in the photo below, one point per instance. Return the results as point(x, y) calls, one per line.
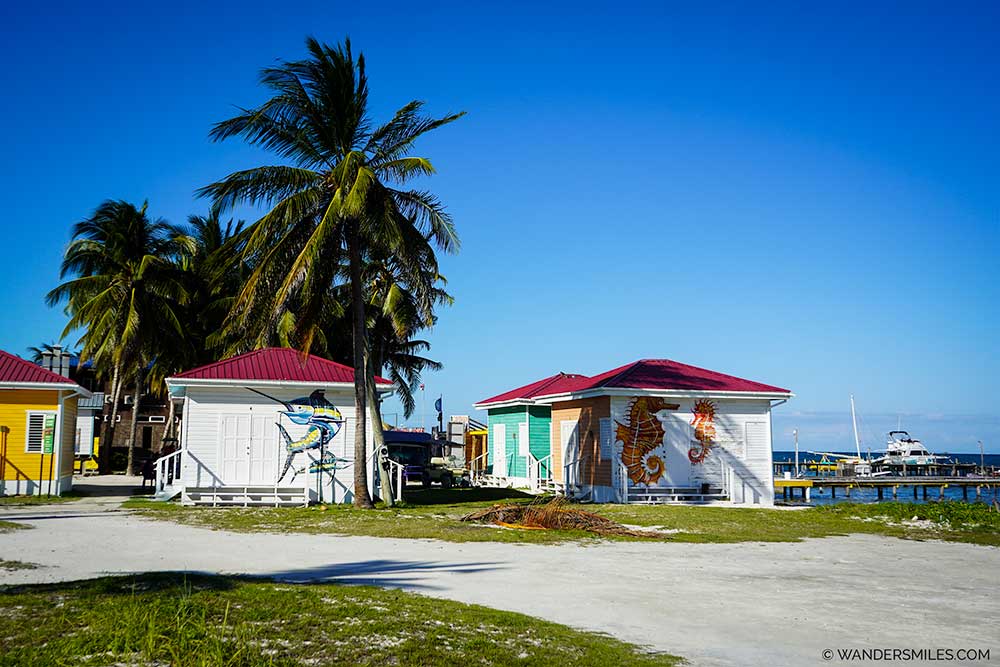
point(38, 423)
point(156, 419)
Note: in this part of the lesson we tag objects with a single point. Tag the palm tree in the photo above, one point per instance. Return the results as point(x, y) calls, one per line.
point(342, 198)
point(123, 292)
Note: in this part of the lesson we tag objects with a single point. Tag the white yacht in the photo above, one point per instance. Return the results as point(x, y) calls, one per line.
point(901, 449)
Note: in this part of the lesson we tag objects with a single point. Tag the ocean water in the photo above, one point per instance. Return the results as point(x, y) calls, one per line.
point(862, 495)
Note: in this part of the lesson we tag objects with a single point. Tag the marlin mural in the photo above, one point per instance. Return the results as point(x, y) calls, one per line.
point(324, 421)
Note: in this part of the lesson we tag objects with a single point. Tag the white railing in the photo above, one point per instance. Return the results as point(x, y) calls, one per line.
point(622, 483)
point(571, 480)
point(535, 475)
point(397, 470)
point(475, 470)
point(727, 472)
point(168, 470)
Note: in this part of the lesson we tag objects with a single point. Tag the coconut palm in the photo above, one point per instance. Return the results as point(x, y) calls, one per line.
point(341, 197)
point(123, 293)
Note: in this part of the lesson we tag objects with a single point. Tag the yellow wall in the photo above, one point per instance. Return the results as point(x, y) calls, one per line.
point(14, 407)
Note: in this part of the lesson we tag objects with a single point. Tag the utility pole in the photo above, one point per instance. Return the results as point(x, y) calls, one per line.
point(982, 459)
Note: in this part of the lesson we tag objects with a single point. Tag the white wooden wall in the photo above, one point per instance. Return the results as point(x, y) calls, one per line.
point(201, 435)
point(742, 441)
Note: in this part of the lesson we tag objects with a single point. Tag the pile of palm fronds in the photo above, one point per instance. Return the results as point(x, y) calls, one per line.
point(555, 514)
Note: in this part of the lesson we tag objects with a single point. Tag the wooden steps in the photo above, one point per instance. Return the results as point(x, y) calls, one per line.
point(246, 496)
point(661, 495)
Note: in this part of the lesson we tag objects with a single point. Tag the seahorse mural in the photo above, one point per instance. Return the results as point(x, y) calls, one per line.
point(704, 430)
point(643, 433)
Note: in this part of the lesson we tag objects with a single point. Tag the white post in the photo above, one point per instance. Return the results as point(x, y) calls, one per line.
point(795, 432)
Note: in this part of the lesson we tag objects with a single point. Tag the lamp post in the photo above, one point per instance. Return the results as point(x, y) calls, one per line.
point(982, 459)
point(795, 433)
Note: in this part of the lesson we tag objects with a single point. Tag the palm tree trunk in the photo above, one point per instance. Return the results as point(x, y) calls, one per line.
point(361, 496)
point(108, 437)
point(135, 420)
point(171, 410)
point(375, 409)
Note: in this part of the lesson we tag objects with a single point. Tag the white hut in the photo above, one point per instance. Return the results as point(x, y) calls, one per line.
point(266, 428)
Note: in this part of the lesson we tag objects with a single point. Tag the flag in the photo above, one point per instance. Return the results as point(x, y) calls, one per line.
point(437, 404)
point(421, 386)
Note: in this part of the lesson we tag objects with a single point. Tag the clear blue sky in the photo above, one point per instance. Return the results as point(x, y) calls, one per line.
point(803, 196)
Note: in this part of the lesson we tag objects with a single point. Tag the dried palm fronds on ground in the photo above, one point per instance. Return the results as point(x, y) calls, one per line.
point(555, 514)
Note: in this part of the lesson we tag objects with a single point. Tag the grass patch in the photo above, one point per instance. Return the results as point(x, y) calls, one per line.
point(189, 621)
point(11, 565)
point(8, 526)
point(436, 516)
point(16, 501)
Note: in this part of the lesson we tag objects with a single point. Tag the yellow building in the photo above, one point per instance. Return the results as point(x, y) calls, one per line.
point(37, 428)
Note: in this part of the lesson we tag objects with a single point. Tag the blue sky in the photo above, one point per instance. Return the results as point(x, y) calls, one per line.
point(803, 196)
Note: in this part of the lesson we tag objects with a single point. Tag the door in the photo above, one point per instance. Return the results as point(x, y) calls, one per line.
point(568, 437)
point(263, 449)
point(234, 459)
point(499, 446)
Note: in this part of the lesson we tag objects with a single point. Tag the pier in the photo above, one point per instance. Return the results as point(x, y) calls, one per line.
point(924, 487)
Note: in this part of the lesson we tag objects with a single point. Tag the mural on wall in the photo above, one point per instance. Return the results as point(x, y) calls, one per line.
point(703, 420)
point(323, 421)
point(640, 435)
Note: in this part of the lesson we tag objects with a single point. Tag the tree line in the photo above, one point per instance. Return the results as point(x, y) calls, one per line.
point(343, 263)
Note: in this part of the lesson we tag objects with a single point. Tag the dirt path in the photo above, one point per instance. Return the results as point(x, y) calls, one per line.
point(716, 604)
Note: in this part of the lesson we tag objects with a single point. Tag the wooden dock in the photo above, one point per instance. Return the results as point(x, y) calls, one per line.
point(920, 484)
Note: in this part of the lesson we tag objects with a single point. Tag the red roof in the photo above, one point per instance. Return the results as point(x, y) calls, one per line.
point(276, 364)
point(644, 374)
point(556, 384)
point(673, 375)
point(15, 370)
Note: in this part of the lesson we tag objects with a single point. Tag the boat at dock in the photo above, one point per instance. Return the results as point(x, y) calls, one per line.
point(903, 450)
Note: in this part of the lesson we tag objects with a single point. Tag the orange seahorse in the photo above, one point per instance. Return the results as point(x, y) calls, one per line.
point(704, 430)
point(642, 434)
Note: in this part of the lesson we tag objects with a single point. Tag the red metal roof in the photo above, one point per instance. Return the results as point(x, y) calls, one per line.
point(556, 384)
point(647, 374)
point(14, 369)
point(275, 364)
point(669, 374)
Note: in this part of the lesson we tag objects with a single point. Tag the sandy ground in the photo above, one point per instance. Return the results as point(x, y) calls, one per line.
point(740, 604)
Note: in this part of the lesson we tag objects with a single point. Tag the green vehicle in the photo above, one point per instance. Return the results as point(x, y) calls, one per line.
point(420, 457)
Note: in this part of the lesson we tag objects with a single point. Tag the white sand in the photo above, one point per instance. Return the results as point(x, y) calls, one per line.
point(716, 604)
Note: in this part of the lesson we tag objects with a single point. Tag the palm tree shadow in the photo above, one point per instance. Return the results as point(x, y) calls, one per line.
point(384, 573)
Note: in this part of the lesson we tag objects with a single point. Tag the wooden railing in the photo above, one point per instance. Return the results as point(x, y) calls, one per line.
point(396, 469)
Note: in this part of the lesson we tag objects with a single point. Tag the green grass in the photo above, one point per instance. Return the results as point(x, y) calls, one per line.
point(14, 501)
point(434, 514)
point(8, 526)
point(188, 621)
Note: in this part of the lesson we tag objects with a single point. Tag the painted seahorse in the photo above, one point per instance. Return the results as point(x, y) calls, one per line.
point(703, 421)
point(643, 433)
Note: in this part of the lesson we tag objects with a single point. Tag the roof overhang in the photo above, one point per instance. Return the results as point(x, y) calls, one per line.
point(176, 386)
point(504, 404)
point(51, 386)
point(669, 393)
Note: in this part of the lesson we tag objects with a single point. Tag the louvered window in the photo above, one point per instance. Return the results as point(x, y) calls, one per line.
point(36, 426)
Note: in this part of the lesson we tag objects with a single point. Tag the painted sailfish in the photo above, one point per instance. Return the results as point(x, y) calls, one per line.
point(320, 415)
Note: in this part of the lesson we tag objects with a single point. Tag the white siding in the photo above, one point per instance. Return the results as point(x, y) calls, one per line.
point(206, 407)
point(750, 463)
